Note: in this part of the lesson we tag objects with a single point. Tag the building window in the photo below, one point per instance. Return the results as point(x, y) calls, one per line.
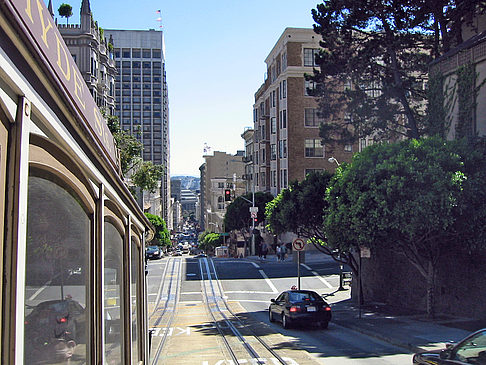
point(348, 148)
point(273, 152)
point(282, 149)
point(146, 53)
point(311, 171)
point(310, 57)
point(283, 119)
point(126, 53)
point(156, 53)
point(311, 118)
point(273, 179)
point(310, 86)
point(263, 155)
point(274, 98)
point(284, 89)
point(273, 125)
point(262, 130)
point(284, 60)
point(314, 148)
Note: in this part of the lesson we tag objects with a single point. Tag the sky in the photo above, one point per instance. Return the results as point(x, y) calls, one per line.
point(215, 62)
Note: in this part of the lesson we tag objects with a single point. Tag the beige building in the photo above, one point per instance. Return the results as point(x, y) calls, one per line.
point(221, 171)
point(287, 145)
point(248, 136)
point(93, 55)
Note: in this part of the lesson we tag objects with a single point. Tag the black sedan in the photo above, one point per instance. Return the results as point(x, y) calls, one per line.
point(471, 350)
point(153, 252)
point(299, 306)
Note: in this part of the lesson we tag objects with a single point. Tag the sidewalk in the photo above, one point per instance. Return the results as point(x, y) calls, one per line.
point(411, 331)
point(414, 332)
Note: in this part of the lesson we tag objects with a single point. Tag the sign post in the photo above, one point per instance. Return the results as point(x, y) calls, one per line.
point(298, 245)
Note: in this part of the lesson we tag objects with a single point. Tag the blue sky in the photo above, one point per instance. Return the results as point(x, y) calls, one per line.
point(215, 53)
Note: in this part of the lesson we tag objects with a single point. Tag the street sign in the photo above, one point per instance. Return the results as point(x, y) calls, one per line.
point(298, 244)
point(365, 252)
point(253, 214)
point(253, 209)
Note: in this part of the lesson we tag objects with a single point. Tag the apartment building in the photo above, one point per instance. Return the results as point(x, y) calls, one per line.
point(287, 145)
point(142, 97)
point(93, 55)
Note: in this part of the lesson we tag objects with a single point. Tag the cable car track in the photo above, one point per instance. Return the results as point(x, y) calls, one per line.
point(230, 327)
point(167, 315)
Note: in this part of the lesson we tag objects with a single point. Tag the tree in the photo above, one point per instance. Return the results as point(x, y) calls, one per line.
point(373, 66)
point(65, 11)
point(208, 241)
point(162, 234)
point(144, 174)
point(411, 197)
point(237, 215)
point(300, 209)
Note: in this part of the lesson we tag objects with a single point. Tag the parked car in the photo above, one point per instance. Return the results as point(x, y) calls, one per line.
point(300, 306)
point(153, 252)
point(471, 350)
point(177, 253)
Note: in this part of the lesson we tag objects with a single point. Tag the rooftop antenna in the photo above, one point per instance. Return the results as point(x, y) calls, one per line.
point(159, 19)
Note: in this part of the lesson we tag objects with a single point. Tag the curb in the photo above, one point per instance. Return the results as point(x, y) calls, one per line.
point(390, 340)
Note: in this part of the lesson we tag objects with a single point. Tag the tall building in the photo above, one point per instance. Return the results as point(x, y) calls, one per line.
point(142, 97)
point(287, 145)
point(93, 55)
point(248, 136)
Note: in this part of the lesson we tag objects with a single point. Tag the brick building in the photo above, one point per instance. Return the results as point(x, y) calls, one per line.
point(287, 145)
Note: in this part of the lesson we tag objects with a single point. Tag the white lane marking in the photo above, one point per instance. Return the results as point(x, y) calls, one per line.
point(191, 274)
point(269, 282)
point(250, 301)
point(191, 301)
point(324, 281)
point(256, 265)
point(249, 292)
point(191, 292)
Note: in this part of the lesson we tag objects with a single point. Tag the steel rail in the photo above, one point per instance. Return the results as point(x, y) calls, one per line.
point(257, 337)
point(171, 299)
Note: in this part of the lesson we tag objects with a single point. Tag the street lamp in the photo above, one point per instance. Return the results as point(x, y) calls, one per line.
point(333, 160)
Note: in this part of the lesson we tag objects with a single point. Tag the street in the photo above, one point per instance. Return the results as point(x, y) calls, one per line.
point(198, 305)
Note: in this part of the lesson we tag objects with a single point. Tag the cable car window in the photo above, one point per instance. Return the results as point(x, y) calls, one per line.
point(56, 277)
point(112, 287)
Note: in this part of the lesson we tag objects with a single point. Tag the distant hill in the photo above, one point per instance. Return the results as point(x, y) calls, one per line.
point(188, 182)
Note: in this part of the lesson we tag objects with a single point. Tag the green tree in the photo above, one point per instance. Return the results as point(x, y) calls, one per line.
point(208, 241)
point(65, 11)
point(300, 209)
point(237, 215)
point(410, 196)
point(162, 234)
point(373, 66)
point(144, 174)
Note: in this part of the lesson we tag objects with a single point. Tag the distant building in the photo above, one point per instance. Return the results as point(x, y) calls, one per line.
point(188, 200)
point(93, 56)
point(142, 98)
point(221, 171)
point(287, 145)
point(175, 189)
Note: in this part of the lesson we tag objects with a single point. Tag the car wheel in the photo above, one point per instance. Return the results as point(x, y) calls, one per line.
point(270, 316)
point(324, 324)
point(285, 321)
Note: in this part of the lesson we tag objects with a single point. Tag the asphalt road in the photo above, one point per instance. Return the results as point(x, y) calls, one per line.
point(249, 286)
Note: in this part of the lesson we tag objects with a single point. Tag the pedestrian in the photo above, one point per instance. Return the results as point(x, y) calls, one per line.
point(264, 250)
point(283, 252)
point(277, 251)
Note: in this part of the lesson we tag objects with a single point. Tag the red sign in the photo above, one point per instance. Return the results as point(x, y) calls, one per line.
point(298, 244)
point(44, 32)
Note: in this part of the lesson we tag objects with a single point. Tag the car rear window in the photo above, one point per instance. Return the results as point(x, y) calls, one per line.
point(304, 296)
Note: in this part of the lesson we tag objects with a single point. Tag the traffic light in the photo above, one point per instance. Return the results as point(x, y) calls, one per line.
point(227, 195)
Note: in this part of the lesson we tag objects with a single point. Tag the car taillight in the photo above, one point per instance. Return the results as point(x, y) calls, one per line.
point(62, 320)
point(295, 309)
point(327, 308)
